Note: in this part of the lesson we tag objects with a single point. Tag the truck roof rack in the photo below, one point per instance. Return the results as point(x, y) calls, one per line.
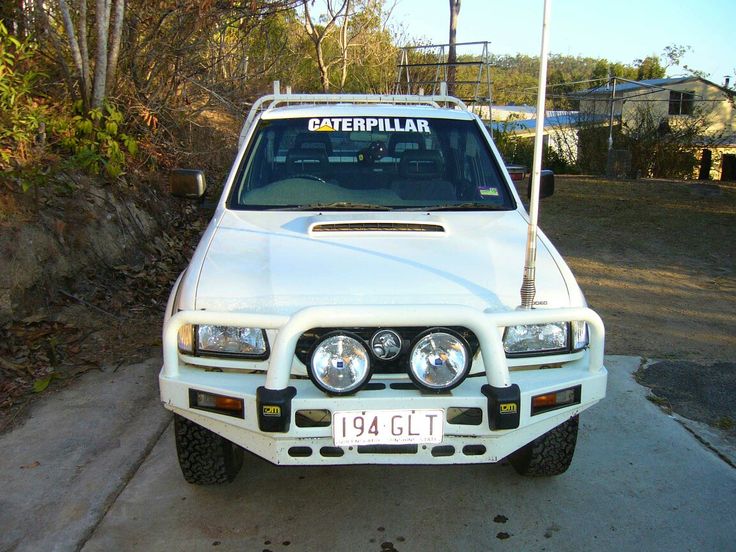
point(277, 98)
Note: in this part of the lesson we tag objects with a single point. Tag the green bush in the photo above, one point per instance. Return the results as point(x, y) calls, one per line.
point(21, 112)
point(514, 150)
point(96, 140)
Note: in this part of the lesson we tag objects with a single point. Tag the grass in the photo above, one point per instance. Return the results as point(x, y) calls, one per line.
point(726, 423)
point(660, 401)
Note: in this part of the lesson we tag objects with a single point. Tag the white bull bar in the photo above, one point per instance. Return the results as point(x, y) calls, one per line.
point(486, 326)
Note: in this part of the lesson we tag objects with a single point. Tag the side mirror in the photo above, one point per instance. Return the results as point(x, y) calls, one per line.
point(546, 184)
point(187, 183)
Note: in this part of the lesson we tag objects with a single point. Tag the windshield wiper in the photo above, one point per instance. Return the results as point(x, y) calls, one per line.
point(336, 206)
point(474, 206)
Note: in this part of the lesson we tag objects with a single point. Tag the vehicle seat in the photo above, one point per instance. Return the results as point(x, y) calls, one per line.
point(312, 162)
point(421, 176)
point(319, 141)
point(399, 142)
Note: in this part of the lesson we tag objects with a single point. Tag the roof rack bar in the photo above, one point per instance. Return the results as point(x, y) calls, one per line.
point(435, 63)
point(422, 46)
point(271, 101)
point(435, 82)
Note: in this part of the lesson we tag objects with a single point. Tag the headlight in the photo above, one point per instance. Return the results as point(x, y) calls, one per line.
point(439, 361)
point(339, 364)
point(223, 340)
point(536, 338)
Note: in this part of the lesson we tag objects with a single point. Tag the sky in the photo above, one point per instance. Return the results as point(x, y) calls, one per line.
point(618, 30)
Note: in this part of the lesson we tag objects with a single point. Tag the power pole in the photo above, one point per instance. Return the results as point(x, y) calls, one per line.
point(610, 118)
point(452, 54)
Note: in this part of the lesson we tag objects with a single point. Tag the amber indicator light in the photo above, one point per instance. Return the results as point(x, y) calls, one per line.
point(211, 402)
point(555, 399)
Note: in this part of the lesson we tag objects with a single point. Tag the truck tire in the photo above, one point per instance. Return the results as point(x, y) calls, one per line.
point(205, 457)
point(549, 454)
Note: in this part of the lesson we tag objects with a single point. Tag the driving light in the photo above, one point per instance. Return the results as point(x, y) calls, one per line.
point(535, 338)
point(339, 364)
point(439, 361)
point(228, 340)
point(580, 337)
point(185, 338)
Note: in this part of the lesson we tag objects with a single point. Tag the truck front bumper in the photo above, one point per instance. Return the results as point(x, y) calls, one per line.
point(474, 442)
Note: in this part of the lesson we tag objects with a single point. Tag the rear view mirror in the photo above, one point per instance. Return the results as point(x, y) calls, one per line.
point(546, 185)
point(187, 183)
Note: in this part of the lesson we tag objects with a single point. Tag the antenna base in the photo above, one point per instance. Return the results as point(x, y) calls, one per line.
point(528, 291)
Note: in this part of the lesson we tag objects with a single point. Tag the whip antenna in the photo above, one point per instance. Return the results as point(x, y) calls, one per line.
point(528, 289)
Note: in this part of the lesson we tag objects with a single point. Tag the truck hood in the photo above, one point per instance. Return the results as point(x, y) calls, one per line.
point(279, 262)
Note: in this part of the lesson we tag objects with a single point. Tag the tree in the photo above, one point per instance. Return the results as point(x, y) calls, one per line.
point(342, 29)
point(673, 56)
point(452, 53)
point(94, 89)
point(367, 32)
point(669, 148)
point(319, 33)
point(649, 68)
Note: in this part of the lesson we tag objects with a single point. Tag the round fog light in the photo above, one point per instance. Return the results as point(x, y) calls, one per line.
point(339, 364)
point(439, 361)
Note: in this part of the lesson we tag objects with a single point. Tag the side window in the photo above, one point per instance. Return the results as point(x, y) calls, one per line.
point(477, 163)
point(261, 164)
point(471, 171)
point(480, 179)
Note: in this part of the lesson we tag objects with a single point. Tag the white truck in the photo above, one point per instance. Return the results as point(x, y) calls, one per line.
point(355, 300)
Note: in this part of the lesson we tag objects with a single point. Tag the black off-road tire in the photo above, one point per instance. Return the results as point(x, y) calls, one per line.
point(549, 454)
point(205, 457)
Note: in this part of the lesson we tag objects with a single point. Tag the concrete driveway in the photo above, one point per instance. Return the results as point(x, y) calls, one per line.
point(639, 481)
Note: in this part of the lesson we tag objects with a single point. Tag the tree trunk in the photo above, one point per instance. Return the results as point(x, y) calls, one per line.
point(115, 39)
point(74, 47)
point(324, 77)
point(344, 44)
point(84, 51)
point(102, 17)
point(452, 54)
point(317, 39)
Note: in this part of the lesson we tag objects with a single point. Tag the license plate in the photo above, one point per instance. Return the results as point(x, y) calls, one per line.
point(387, 427)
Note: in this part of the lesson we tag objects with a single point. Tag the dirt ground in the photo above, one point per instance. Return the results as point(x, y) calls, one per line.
point(657, 261)
point(88, 275)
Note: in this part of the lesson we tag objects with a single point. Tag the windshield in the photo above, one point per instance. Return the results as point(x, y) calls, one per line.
point(358, 163)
